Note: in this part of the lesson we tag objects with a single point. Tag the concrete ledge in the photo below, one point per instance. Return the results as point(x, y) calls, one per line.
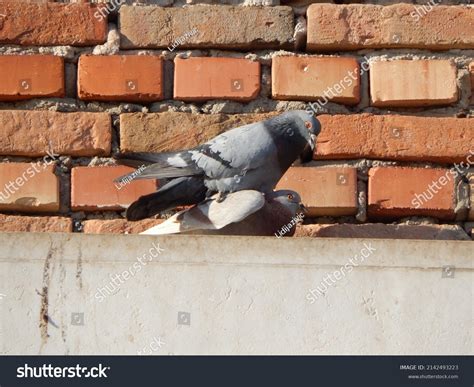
point(243, 295)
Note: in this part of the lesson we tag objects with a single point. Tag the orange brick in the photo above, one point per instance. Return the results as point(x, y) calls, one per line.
point(120, 78)
point(395, 137)
point(93, 188)
point(311, 78)
point(324, 191)
point(13, 223)
point(398, 192)
point(50, 24)
point(30, 76)
point(33, 133)
point(357, 26)
point(413, 83)
point(200, 79)
point(28, 187)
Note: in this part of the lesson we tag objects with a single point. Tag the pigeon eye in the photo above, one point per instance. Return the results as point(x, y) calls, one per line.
point(290, 196)
point(308, 124)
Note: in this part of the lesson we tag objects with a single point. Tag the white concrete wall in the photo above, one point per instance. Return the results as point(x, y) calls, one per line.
point(244, 296)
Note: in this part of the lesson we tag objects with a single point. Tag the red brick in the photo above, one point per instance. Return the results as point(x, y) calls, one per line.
point(93, 188)
point(200, 79)
point(28, 187)
point(132, 78)
point(413, 83)
point(30, 76)
point(118, 226)
point(311, 78)
point(357, 26)
point(218, 27)
point(13, 223)
point(324, 191)
point(382, 231)
point(396, 192)
point(395, 137)
point(50, 24)
point(33, 133)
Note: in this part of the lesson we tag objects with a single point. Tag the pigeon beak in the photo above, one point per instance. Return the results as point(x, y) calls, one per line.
point(303, 208)
point(307, 154)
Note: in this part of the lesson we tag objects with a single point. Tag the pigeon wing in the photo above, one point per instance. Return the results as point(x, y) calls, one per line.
point(236, 151)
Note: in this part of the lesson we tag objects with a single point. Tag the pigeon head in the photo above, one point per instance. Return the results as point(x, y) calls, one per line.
point(312, 128)
point(311, 123)
point(289, 199)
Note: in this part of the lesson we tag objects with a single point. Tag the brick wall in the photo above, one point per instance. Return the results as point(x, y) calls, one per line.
point(392, 84)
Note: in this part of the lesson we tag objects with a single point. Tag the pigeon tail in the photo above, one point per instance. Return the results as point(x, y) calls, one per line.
point(164, 229)
point(182, 191)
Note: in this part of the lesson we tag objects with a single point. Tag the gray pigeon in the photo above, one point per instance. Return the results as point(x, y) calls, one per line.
point(250, 157)
point(240, 213)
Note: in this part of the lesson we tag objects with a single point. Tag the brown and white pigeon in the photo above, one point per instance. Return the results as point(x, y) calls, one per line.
point(244, 212)
point(250, 157)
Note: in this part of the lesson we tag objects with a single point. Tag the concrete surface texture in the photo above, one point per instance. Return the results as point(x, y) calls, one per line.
point(133, 294)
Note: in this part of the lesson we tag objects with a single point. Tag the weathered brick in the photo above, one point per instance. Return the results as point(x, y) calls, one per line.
point(30, 76)
point(470, 177)
point(395, 137)
point(50, 24)
point(93, 188)
point(323, 191)
point(200, 79)
point(118, 226)
point(28, 187)
point(170, 131)
point(413, 83)
point(396, 192)
point(33, 133)
point(357, 26)
point(382, 231)
point(217, 26)
point(311, 78)
point(13, 223)
point(132, 78)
